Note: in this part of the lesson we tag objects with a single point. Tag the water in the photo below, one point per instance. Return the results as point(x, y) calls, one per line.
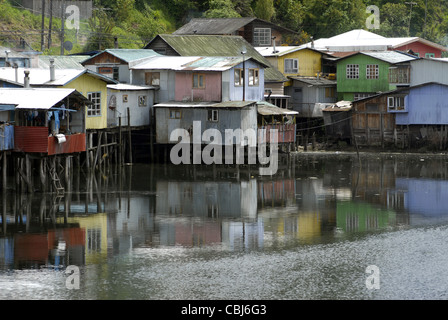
point(167, 232)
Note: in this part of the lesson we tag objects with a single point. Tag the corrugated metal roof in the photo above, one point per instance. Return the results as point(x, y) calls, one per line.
point(42, 76)
point(36, 98)
point(62, 62)
point(265, 108)
point(279, 50)
point(223, 46)
point(390, 56)
point(128, 87)
point(221, 26)
point(315, 81)
point(213, 26)
point(127, 55)
point(180, 63)
point(204, 104)
point(164, 63)
point(188, 104)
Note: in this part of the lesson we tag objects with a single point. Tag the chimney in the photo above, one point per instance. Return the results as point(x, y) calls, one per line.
point(273, 45)
point(52, 74)
point(16, 69)
point(312, 42)
point(7, 64)
point(26, 82)
point(116, 42)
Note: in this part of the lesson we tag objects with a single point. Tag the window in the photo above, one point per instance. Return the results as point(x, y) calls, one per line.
point(142, 101)
point(429, 55)
point(254, 77)
point(95, 108)
point(239, 77)
point(213, 115)
point(352, 71)
point(395, 103)
point(291, 66)
point(152, 78)
point(105, 70)
point(262, 36)
point(125, 98)
point(399, 75)
point(198, 80)
point(372, 71)
point(175, 114)
point(115, 73)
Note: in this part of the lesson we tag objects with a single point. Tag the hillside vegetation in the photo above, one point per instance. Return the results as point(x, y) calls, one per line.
point(135, 22)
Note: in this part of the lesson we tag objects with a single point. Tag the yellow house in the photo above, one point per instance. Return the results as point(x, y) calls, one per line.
point(95, 227)
point(91, 84)
point(293, 60)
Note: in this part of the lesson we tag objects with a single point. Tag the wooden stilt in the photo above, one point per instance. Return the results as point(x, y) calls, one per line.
point(129, 136)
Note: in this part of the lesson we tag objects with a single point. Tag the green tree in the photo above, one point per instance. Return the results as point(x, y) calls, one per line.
point(101, 27)
point(289, 14)
point(243, 7)
point(326, 18)
point(393, 23)
point(221, 9)
point(264, 9)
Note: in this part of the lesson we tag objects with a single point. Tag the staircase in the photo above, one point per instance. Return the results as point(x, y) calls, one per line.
point(55, 179)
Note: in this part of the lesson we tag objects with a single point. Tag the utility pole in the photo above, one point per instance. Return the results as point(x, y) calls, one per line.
point(42, 35)
point(410, 16)
point(62, 27)
point(50, 23)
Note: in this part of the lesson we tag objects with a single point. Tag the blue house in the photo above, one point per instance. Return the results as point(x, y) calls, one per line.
point(415, 116)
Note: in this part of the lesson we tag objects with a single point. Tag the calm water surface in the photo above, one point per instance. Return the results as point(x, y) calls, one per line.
point(169, 232)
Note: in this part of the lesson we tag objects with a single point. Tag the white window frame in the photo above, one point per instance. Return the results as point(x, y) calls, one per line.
point(213, 115)
point(352, 71)
point(94, 110)
point(238, 75)
point(376, 71)
point(291, 66)
point(396, 103)
point(262, 36)
point(142, 101)
point(254, 76)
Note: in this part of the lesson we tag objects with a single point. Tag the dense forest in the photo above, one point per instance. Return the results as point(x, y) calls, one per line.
point(135, 22)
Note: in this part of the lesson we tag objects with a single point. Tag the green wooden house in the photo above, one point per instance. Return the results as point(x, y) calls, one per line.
point(363, 74)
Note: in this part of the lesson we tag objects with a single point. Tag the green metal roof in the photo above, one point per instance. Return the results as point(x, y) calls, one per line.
point(127, 55)
point(214, 45)
point(62, 62)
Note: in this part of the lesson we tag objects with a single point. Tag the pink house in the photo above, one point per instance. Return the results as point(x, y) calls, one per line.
point(198, 86)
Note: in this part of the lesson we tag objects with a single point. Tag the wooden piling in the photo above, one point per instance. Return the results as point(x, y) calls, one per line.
point(129, 135)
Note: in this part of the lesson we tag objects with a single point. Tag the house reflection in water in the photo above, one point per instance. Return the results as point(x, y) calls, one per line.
point(198, 213)
point(424, 199)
